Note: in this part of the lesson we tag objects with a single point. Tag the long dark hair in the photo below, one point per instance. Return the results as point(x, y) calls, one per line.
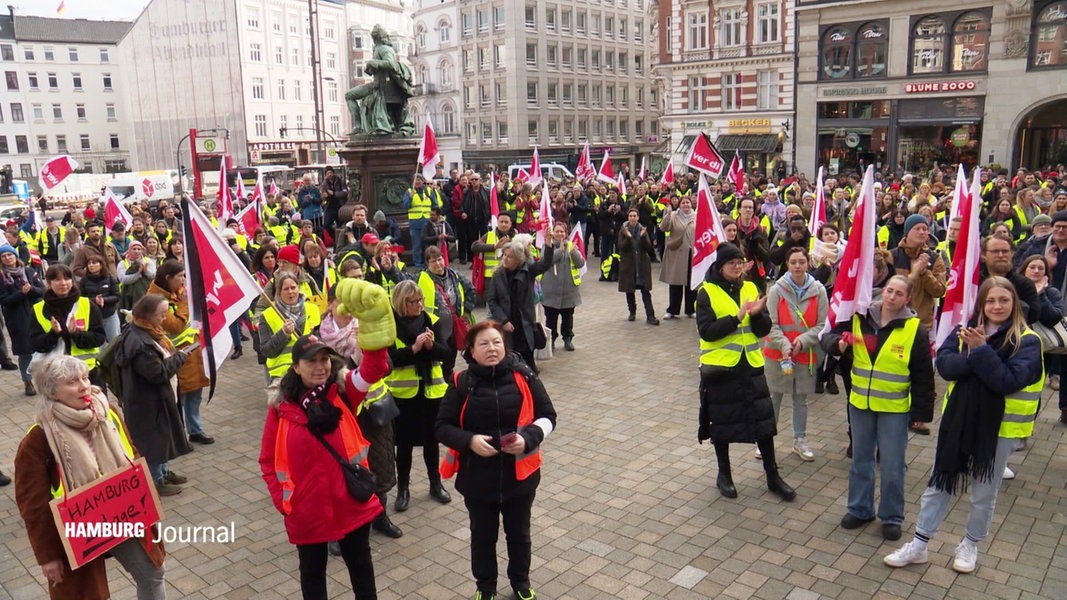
point(169, 268)
point(292, 386)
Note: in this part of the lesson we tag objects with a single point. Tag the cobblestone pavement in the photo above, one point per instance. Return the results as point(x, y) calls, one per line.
point(627, 506)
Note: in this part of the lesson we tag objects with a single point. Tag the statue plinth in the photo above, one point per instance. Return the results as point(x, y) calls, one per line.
point(386, 166)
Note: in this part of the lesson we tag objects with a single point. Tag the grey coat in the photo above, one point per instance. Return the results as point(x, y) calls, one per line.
point(557, 285)
point(803, 379)
point(499, 299)
point(676, 256)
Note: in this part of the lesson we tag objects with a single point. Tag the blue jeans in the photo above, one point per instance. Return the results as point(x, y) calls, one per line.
point(158, 471)
point(190, 403)
point(887, 435)
point(112, 326)
point(235, 334)
point(415, 228)
point(800, 412)
point(935, 503)
point(24, 366)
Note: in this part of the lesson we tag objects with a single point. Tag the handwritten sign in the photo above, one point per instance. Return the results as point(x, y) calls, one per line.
point(101, 515)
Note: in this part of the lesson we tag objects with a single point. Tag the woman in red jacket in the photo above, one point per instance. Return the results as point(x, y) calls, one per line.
point(316, 406)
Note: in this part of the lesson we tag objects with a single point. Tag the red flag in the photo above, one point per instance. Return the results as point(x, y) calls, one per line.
point(668, 174)
point(707, 234)
point(273, 191)
point(429, 155)
point(642, 174)
point(852, 291)
point(220, 289)
point(962, 292)
point(585, 170)
point(242, 193)
point(225, 210)
point(522, 176)
point(494, 201)
point(115, 211)
point(579, 242)
point(958, 194)
point(607, 172)
point(55, 171)
point(705, 158)
point(737, 173)
point(544, 220)
point(248, 219)
point(818, 211)
point(621, 183)
point(535, 170)
point(444, 253)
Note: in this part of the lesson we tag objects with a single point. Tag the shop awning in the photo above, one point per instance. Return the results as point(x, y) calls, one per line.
point(761, 142)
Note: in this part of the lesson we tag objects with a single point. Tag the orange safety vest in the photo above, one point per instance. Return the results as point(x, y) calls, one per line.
point(525, 464)
point(792, 329)
point(356, 448)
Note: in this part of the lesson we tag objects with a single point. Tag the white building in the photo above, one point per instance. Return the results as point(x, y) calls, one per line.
point(240, 66)
point(62, 94)
point(435, 64)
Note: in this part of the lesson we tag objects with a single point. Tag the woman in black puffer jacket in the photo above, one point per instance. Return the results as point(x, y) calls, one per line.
point(494, 420)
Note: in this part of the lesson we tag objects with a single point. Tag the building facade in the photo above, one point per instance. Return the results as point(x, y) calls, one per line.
point(62, 95)
point(729, 71)
point(436, 67)
point(904, 85)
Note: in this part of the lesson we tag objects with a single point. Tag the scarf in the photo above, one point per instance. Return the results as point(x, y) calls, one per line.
point(799, 289)
point(317, 275)
point(84, 442)
point(156, 332)
point(61, 307)
point(687, 216)
point(409, 328)
point(14, 276)
point(970, 425)
point(294, 312)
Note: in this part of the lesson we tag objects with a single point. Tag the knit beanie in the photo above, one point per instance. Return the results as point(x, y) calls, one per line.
point(290, 254)
point(725, 253)
point(912, 221)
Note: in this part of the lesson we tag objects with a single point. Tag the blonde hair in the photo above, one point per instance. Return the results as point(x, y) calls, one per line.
point(1014, 337)
point(404, 291)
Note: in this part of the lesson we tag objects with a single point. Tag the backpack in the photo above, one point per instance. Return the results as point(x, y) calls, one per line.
point(609, 268)
point(108, 368)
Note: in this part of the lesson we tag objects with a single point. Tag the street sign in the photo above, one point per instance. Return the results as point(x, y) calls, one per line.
point(211, 145)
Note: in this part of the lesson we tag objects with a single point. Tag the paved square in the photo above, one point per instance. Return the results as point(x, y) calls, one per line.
point(627, 506)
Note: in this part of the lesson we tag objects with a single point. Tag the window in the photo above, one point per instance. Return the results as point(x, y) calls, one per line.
point(57, 112)
point(731, 32)
point(104, 57)
point(42, 144)
point(3, 145)
point(531, 55)
point(609, 95)
point(583, 94)
point(502, 132)
point(472, 133)
point(553, 94)
point(624, 96)
point(581, 57)
point(283, 121)
point(12, 80)
point(609, 129)
point(76, 79)
point(696, 31)
point(420, 36)
point(257, 88)
point(624, 130)
point(260, 125)
point(85, 144)
point(483, 97)
point(468, 97)
point(609, 60)
point(500, 91)
point(624, 60)
point(73, 54)
point(79, 111)
point(444, 74)
point(609, 27)
point(595, 59)
point(281, 89)
point(583, 130)
point(731, 91)
point(767, 90)
point(639, 129)
point(28, 54)
point(483, 57)
point(299, 122)
point(296, 89)
point(668, 34)
point(565, 21)
point(498, 18)
point(444, 31)
point(331, 60)
point(332, 92)
point(335, 124)
point(487, 132)
point(872, 45)
point(276, 20)
point(1048, 43)
point(594, 25)
point(328, 31)
point(567, 58)
point(253, 18)
point(639, 64)
point(568, 131)
point(61, 144)
point(115, 166)
point(639, 97)
point(928, 45)
point(639, 30)
point(579, 22)
point(16, 113)
point(596, 95)
point(448, 120)
point(32, 77)
point(553, 131)
point(294, 57)
point(531, 17)
point(53, 81)
point(970, 42)
point(255, 53)
point(38, 112)
point(531, 94)
point(114, 141)
point(49, 55)
point(551, 55)
point(7, 52)
point(111, 114)
point(22, 146)
point(767, 23)
point(466, 24)
point(836, 53)
point(468, 61)
point(550, 18)
point(499, 55)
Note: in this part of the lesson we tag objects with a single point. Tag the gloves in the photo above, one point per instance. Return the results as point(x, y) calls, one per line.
point(703, 433)
point(370, 304)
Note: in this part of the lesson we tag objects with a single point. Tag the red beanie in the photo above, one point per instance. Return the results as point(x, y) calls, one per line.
point(290, 253)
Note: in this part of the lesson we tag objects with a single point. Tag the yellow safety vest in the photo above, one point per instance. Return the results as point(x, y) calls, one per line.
point(420, 204)
point(491, 260)
point(1020, 408)
point(576, 276)
point(187, 336)
point(320, 300)
point(377, 391)
point(429, 294)
point(81, 313)
point(42, 240)
point(403, 382)
point(278, 365)
point(1021, 234)
point(127, 447)
point(885, 385)
point(726, 351)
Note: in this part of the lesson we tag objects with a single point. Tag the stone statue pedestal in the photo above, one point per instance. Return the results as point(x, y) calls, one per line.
point(386, 166)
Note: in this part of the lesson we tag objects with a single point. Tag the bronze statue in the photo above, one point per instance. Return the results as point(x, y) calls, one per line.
point(380, 107)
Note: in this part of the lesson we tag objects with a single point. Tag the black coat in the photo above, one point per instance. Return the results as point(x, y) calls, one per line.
point(18, 312)
point(635, 266)
point(735, 404)
point(499, 296)
point(46, 341)
point(493, 403)
point(106, 286)
point(148, 398)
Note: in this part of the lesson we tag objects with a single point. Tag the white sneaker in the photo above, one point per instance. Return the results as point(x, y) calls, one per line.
point(759, 455)
point(1008, 473)
point(801, 449)
point(908, 554)
point(966, 557)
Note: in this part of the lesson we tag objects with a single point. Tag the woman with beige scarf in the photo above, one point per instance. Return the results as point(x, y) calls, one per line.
point(77, 437)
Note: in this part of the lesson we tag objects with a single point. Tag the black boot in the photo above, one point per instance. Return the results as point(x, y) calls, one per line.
point(437, 491)
point(775, 483)
point(631, 304)
point(334, 548)
point(568, 343)
point(725, 480)
point(383, 524)
point(403, 497)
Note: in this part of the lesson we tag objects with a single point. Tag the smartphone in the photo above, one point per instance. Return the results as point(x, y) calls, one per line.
point(191, 347)
point(508, 438)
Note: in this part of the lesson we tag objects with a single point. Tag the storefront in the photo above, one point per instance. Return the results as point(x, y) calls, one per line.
point(760, 142)
point(909, 127)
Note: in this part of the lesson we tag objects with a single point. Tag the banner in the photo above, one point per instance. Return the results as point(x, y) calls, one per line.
point(855, 280)
point(962, 292)
point(607, 172)
point(579, 242)
point(737, 173)
point(705, 158)
point(115, 211)
point(534, 176)
point(55, 171)
point(429, 155)
point(585, 170)
point(707, 234)
point(668, 174)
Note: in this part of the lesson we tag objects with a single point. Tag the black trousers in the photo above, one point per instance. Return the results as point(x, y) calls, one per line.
point(485, 519)
point(674, 304)
point(355, 550)
point(431, 456)
point(646, 299)
point(566, 315)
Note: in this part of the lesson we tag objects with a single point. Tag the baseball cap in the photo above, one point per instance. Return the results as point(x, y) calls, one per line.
point(308, 346)
point(369, 238)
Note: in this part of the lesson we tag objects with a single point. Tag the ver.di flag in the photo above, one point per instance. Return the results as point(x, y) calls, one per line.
point(55, 171)
point(429, 155)
point(494, 201)
point(707, 235)
point(218, 286)
point(534, 176)
point(736, 175)
point(585, 170)
point(607, 172)
point(668, 174)
point(642, 174)
point(962, 292)
point(115, 211)
point(704, 157)
point(225, 211)
point(579, 242)
point(818, 210)
point(544, 220)
point(855, 280)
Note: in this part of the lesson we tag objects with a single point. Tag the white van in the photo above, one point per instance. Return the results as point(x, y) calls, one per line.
point(550, 170)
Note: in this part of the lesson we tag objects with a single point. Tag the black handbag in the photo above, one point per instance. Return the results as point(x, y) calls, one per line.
point(382, 411)
point(360, 482)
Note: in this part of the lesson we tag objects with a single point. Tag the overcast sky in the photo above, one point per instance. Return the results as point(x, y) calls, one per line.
point(126, 10)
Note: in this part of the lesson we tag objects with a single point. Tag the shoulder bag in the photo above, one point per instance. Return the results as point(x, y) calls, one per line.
point(358, 479)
